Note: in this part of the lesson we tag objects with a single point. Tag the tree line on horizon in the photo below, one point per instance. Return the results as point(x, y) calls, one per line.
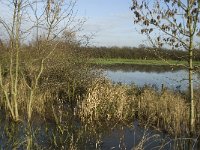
point(139, 53)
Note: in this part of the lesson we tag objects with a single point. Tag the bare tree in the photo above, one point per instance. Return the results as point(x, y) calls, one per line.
point(45, 20)
point(175, 23)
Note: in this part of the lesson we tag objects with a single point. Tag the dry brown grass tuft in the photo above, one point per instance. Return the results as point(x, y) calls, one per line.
point(107, 102)
point(168, 110)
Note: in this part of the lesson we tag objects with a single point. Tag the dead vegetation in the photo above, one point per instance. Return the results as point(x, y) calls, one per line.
point(165, 110)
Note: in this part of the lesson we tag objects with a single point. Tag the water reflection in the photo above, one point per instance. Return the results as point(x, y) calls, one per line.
point(85, 137)
point(136, 137)
point(71, 133)
point(156, 76)
point(141, 68)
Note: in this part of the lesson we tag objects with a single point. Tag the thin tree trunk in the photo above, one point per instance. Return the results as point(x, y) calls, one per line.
point(18, 22)
point(191, 90)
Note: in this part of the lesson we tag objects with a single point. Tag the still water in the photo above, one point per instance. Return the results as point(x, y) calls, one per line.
point(156, 76)
point(69, 133)
point(175, 79)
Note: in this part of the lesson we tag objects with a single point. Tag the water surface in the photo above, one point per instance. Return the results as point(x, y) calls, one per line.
point(176, 79)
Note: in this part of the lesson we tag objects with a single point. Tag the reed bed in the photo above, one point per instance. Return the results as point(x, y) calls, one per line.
point(167, 110)
point(107, 102)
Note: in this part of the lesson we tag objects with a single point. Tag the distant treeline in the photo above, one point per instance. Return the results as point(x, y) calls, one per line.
point(139, 53)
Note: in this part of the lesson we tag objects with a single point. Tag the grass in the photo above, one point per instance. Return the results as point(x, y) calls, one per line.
point(108, 102)
point(165, 110)
point(76, 104)
point(112, 61)
point(105, 106)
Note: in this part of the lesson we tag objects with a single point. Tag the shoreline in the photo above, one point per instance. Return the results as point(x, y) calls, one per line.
point(122, 61)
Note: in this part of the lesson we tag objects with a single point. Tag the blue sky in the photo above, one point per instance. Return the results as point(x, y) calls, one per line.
point(111, 22)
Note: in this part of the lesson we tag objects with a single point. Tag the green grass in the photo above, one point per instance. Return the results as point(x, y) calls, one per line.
point(113, 61)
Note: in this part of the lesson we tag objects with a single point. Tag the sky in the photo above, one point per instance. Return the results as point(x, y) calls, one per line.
point(111, 22)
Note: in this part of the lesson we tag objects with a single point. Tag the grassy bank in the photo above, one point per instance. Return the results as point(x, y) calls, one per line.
point(113, 61)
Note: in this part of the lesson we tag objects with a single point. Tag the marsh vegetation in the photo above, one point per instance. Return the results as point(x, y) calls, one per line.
point(51, 97)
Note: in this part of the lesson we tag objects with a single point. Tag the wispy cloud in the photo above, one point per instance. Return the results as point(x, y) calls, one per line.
point(113, 30)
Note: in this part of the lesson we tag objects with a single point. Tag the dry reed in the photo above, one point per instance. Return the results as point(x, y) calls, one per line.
point(107, 102)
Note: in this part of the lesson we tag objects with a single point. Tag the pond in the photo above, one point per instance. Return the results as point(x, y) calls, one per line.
point(48, 136)
point(138, 137)
point(71, 133)
point(156, 76)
